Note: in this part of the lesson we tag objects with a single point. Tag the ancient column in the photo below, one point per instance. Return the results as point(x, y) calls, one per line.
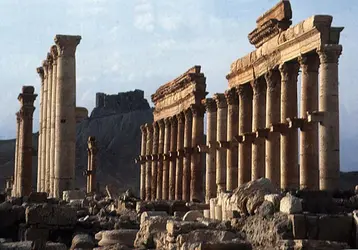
point(154, 160)
point(289, 137)
point(272, 148)
point(232, 131)
point(172, 163)
point(179, 163)
point(148, 169)
point(210, 176)
point(188, 128)
point(52, 122)
point(40, 71)
point(245, 126)
point(44, 128)
point(48, 124)
point(258, 123)
point(309, 169)
point(92, 164)
point(196, 167)
point(221, 136)
point(160, 160)
point(143, 152)
point(27, 98)
point(16, 160)
point(167, 135)
point(19, 156)
point(65, 120)
point(329, 165)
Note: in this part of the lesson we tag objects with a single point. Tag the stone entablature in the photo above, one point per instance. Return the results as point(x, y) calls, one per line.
point(179, 94)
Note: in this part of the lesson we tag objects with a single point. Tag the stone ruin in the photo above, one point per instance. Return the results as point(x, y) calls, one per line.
point(241, 183)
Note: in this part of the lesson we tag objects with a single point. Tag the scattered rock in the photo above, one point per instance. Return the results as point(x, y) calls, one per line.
point(193, 215)
point(122, 236)
point(148, 214)
point(73, 195)
point(267, 209)
point(290, 204)
point(82, 241)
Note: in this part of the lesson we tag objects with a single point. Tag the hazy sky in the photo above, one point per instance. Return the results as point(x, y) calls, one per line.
point(145, 43)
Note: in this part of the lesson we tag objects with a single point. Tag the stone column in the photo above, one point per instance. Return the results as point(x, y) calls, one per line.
point(273, 104)
point(92, 166)
point(329, 165)
point(232, 131)
point(167, 134)
point(16, 160)
point(65, 120)
point(188, 128)
point(245, 126)
point(27, 98)
point(309, 173)
point(289, 137)
point(40, 71)
point(221, 136)
point(160, 160)
point(143, 152)
point(148, 169)
point(179, 163)
point(258, 123)
point(196, 167)
point(154, 160)
point(52, 122)
point(48, 124)
point(44, 128)
point(19, 157)
point(211, 118)
point(172, 163)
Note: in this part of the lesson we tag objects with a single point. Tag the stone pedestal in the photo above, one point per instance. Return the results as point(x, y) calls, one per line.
point(44, 128)
point(245, 126)
point(48, 123)
point(167, 135)
point(154, 160)
point(40, 71)
point(221, 135)
point(148, 168)
point(143, 152)
point(65, 120)
point(16, 160)
point(273, 103)
point(289, 137)
point(187, 153)
point(196, 170)
point(258, 122)
point(27, 98)
point(329, 129)
point(92, 164)
point(160, 160)
point(309, 171)
point(180, 155)
point(232, 131)
point(172, 156)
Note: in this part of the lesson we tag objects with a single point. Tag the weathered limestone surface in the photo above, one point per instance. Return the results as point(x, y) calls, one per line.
point(52, 215)
point(154, 161)
point(180, 157)
point(165, 187)
point(172, 156)
point(48, 123)
point(40, 71)
point(16, 165)
point(160, 162)
point(187, 153)
point(44, 128)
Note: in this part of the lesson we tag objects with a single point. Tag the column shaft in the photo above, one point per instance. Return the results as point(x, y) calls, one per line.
point(154, 160)
point(44, 128)
point(143, 152)
point(172, 163)
point(148, 170)
point(16, 160)
point(48, 124)
point(167, 134)
point(160, 160)
point(179, 163)
point(188, 128)
point(40, 71)
point(89, 168)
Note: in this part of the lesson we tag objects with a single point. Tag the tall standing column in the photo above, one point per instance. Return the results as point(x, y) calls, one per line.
point(48, 124)
point(196, 167)
point(172, 164)
point(258, 122)
point(167, 134)
point(188, 128)
point(289, 137)
point(52, 122)
point(143, 152)
point(44, 128)
point(329, 164)
point(309, 169)
point(160, 160)
point(179, 164)
point(65, 120)
point(40, 71)
point(154, 160)
point(232, 131)
point(211, 118)
point(148, 169)
point(16, 160)
point(221, 136)
point(273, 104)
point(245, 126)
point(27, 98)
point(92, 165)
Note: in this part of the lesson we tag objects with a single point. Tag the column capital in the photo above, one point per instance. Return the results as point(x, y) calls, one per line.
point(197, 110)
point(173, 121)
point(273, 79)
point(288, 70)
point(220, 100)
point(54, 53)
point(49, 60)
point(45, 68)
point(26, 111)
point(210, 105)
point(188, 115)
point(309, 62)
point(66, 45)
point(258, 86)
point(143, 129)
point(244, 91)
point(149, 128)
point(231, 97)
point(40, 71)
point(27, 96)
point(180, 117)
point(329, 53)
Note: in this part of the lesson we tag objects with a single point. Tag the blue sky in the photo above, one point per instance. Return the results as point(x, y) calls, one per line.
point(145, 43)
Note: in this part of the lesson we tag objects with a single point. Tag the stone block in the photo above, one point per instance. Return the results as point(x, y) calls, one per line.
point(290, 205)
point(73, 195)
point(193, 215)
point(335, 228)
point(51, 215)
point(225, 245)
point(121, 236)
point(312, 226)
point(27, 245)
point(82, 241)
point(37, 197)
point(33, 233)
point(316, 201)
point(148, 214)
point(311, 244)
point(298, 226)
point(274, 199)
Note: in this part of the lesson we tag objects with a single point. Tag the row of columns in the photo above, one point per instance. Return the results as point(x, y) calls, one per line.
point(57, 134)
point(22, 184)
